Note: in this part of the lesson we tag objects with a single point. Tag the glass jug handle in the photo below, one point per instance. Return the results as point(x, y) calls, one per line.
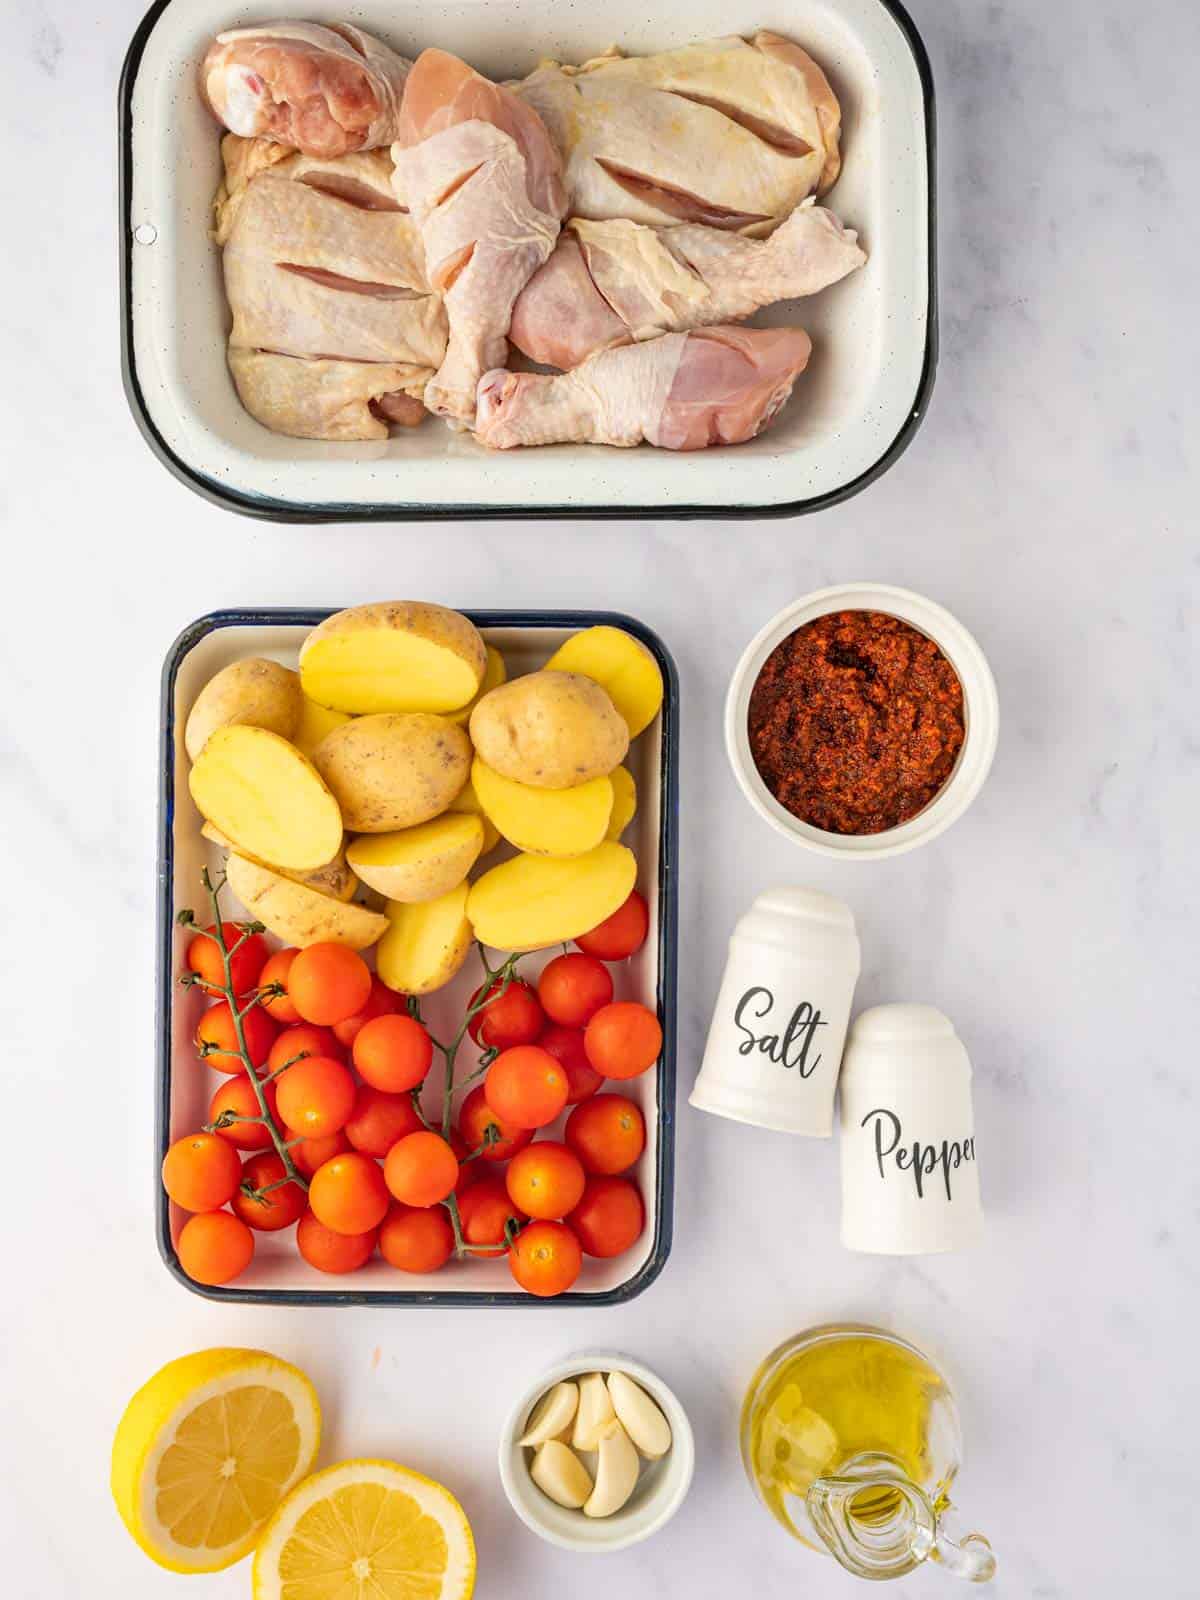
point(966, 1555)
point(888, 1545)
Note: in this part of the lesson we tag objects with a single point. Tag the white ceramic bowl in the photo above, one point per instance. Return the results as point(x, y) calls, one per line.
point(660, 1490)
point(980, 703)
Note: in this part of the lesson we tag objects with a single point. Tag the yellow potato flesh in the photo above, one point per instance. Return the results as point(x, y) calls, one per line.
point(494, 674)
point(426, 944)
point(315, 722)
point(334, 879)
point(535, 901)
point(298, 915)
point(624, 807)
point(399, 656)
point(421, 863)
point(267, 798)
point(620, 664)
point(545, 822)
point(467, 800)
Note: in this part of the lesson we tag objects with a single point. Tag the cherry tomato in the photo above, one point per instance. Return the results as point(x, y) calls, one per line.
point(572, 988)
point(348, 1193)
point(215, 1247)
point(381, 1002)
point(201, 1172)
point(566, 1046)
point(204, 959)
point(416, 1238)
point(302, 1040)
point(216, 1029)
point(619, 936)
point(545, 1258)
point(609, 1218)
point(622, 1040)
point(546, 1180)
point(420, 1169)
point(608, 1134)
point(273, 1211)
point(393, 1053)
point(329, 983)
point(328, 1251)
point(475, 1117)
point(379, 1120)
point(525, 1086)
point(279, 1007)
point(237, 1095)
point(316, 1096)
point(310, 1154)
point(513, 1017)
point(484, 1212)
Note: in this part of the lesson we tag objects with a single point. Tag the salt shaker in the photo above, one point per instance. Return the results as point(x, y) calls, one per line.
point(910, 1182)
point(779, 1025)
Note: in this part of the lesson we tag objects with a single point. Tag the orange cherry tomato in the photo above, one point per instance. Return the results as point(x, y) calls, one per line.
point(302, 1040)
point(420, 1169)
point(619, 936)
point(379, 1120)
point(513, 1016)
point(416, 1238)
point(329, 983)
point(348, 1193)
point(393, 1053)
point(381, 1002)
point(566, 1046)
point(546, 1258)
point(217, 1031)
point(310, 1154)
point(328, 1251)
point(215, 1247)
point(622, 1040)
point(546, 1180)
point(316, 1096)
point(573, 987)
point(608, 1134)
point(273, 1211)
point(237, 1095)
point(204, 959)
point(525, 1086)
point(279, 1007)
point(475, 1117)
point(201, 1172)
point(484, 1212)
point(609, 1218)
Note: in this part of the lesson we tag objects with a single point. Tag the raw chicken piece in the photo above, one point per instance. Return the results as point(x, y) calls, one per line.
point(683, 391)
point(363, 179)
point(323, 90)
point(611, 282)
point(338, 400)
point(484, 183)
point(730, 134)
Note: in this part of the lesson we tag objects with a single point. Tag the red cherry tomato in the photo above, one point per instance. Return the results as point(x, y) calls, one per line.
point(513, 1017)
point(333, 1252)
point(381, 1002)
point(379, 1120)
point(310, 1154)
point(546, 1258)
point(237, 1096)
point(566, 1046)
point(348, 1193)
point(619, 936)
point(573, 987)
point(420, 1169)
point(269, 1212)
point(217, 1031)
point(475, 1117)
point(609, 1218)
point(623, 1040)
point(247, 961)
point(416, 1238)
point(215, 1247)
point(329, 983)
point(485, 1212)
point(302, 1040)
point(316, 1096)
point(526, 1087)
point(393, 1053)
point(279, 1007)
point(201, 1172)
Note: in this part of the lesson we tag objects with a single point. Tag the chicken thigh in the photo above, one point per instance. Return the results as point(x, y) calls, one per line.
point(683, 391)
point(336, 400)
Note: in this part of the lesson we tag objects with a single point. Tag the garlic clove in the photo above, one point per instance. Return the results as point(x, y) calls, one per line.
point(616, 1472)
point(560, 1475)
point(552, 1415)
point(639, 1416)
point(594, 1412)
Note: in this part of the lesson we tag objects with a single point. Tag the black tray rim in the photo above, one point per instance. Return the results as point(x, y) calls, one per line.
point(307, 617)
point(269, 509)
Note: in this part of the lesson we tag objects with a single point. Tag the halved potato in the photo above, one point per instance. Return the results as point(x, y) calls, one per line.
point(624, 801)
point(315, 722)
point(420, 863)
point(620, 664)
point(545, 822)
point(531, 902)
point(334, 879)
point(299, 915)
point(551, 730)
point(426, 944)
point(467, 801)
point(267, 797)
point(257, 692)
point(400, 655)
point(494, 674)
point(394, 769)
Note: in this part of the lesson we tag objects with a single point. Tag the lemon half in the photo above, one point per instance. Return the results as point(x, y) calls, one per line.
point(366, 1529)
point(206, 1451)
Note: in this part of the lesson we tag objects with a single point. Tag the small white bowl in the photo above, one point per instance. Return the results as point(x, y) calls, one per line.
point(980, 706)
point(660, 1490)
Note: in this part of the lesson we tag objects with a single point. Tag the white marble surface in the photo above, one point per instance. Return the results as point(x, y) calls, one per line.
point(1049, 501)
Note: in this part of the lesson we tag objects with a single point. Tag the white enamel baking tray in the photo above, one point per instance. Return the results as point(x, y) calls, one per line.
point(186, 1084)
point(874, 334)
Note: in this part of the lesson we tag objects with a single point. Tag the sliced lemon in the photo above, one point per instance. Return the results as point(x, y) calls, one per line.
point(206, 1451)
point(366, 1530)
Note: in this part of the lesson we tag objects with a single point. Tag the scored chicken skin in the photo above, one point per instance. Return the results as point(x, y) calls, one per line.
point(731, 134)
point(483, 181)
point(323, 90)
point(608, 283)
point(336, 400)
point(683, 391)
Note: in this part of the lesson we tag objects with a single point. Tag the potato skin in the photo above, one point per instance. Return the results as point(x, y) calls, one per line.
point(623, 667)
point(396, 655)
point(298, 915)
point(256, 691)
point(551, 730)
point(334, 879)
point(394, 769)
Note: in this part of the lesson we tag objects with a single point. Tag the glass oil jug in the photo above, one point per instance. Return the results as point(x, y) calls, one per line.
point(851, 1439)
